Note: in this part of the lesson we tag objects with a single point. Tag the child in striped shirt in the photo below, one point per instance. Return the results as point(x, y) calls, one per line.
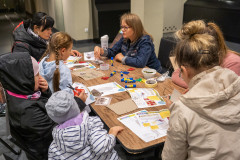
point(78, 136)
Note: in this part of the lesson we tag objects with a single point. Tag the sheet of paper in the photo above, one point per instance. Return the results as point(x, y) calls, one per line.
point(87, 73)
point(72, 60)
point(138, 124)
point(90, 98)
point(80, 65)
point(123, 107)
point(175, 95)
point(89, 56)
point(146, 97)
point(108, 88)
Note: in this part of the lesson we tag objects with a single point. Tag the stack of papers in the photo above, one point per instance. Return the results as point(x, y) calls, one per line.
point(146, 97)
point(147, 125)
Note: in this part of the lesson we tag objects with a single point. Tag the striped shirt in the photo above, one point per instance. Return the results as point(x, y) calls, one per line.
point(87, 141)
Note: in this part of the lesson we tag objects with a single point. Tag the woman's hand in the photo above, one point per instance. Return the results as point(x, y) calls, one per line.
point(115, 130)
point(43, 85)
point(82, 96)
point(76, 53)
point(119, 57)
point(98, 52)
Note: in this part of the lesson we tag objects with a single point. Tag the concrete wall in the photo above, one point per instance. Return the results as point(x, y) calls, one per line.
point(151, 14)
point(78, 18)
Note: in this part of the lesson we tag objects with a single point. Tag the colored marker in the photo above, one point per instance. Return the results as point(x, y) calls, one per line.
point(130, 86)
point(111, 61)
point(130, 81)
point(121, 74)
point(112, 73)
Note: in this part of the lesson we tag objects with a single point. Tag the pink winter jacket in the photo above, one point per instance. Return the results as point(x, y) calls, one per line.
point(231, 61)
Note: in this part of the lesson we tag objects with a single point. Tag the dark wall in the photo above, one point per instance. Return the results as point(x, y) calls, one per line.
point(109, 13)
point(224, 13)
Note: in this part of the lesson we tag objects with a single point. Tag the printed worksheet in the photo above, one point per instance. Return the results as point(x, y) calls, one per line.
point(80, 65)
point(146, 125)
point(146, 97)
point(72, 60)
point(90, 98)
point(89, 56)
point(106, 89)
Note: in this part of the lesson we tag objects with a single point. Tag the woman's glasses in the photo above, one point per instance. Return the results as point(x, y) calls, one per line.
point(124, 27)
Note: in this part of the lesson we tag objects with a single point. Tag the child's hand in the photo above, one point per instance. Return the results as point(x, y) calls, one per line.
point(43, 85)
point(115, 130)
point(82, 96)
point(76, 53)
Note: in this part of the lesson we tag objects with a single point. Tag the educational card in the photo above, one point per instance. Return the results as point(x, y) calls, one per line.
point(146, 97)
point(107, 88)
point(90, 98)
point(89, 56)
point(80, 65)
point(72, 60)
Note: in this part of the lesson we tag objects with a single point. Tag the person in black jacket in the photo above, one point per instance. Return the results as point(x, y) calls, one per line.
point(32, 35)
point(26, 93)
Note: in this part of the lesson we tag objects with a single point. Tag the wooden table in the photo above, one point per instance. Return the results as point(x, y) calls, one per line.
point(131, 142)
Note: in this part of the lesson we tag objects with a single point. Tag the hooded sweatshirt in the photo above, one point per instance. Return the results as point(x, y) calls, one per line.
point(87, 140)
point(28, 119)
point(47, 70)
point(205, 122)
point(26, 42)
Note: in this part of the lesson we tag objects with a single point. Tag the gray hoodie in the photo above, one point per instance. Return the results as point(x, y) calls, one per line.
point(205, 122)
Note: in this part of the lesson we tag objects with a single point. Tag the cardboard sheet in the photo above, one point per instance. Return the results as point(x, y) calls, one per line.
point(87, 73)
point(123, 106)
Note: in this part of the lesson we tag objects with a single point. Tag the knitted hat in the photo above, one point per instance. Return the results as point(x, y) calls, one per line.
point(61, 106)
point(35, 66)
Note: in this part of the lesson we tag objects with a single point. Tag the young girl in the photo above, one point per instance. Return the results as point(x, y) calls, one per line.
point(227, 58)
point(52, 67)
point(27, 93)
point(205, 121)
point(78, 135)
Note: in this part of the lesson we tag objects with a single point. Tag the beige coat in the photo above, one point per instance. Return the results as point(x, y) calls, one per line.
point(205, 122)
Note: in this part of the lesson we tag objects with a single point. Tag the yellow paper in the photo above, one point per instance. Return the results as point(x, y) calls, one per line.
point(146, 124)
point(156, 98)
point(154, 127)
point(165, 114)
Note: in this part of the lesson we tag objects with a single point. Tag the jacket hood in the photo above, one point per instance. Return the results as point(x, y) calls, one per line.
point(47, 69)
point(73, 141)
point(20, 34)
point(16, 73)
point(215, 94)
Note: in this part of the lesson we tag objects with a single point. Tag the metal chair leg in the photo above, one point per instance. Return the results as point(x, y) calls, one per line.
point(10, 148)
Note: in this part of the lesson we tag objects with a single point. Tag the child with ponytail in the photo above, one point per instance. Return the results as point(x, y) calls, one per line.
point(52, 67)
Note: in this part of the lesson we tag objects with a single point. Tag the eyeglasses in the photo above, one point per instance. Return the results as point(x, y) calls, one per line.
point(124, 27)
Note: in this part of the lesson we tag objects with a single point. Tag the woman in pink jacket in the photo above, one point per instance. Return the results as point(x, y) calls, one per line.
point(204, 122)
point(228, 58)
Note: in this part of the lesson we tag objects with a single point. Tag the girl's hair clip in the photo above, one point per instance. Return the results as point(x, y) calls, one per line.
point(204, 52)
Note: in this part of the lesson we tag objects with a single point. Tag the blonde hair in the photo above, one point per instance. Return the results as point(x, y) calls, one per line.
point(133, 21)
point(196, 48)
point(58, 41)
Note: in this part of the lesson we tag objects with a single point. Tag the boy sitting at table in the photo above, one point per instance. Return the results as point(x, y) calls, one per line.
point(78, 136)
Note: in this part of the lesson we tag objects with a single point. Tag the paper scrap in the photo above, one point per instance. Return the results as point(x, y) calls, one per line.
point(123, 106)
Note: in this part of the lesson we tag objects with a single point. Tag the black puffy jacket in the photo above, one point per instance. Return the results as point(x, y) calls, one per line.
point(25, 42)
point(29, 122)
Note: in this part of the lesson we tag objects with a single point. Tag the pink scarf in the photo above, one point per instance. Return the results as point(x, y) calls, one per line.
point(34, 96)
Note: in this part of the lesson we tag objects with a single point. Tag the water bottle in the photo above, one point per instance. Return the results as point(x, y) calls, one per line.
point(104, 42)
